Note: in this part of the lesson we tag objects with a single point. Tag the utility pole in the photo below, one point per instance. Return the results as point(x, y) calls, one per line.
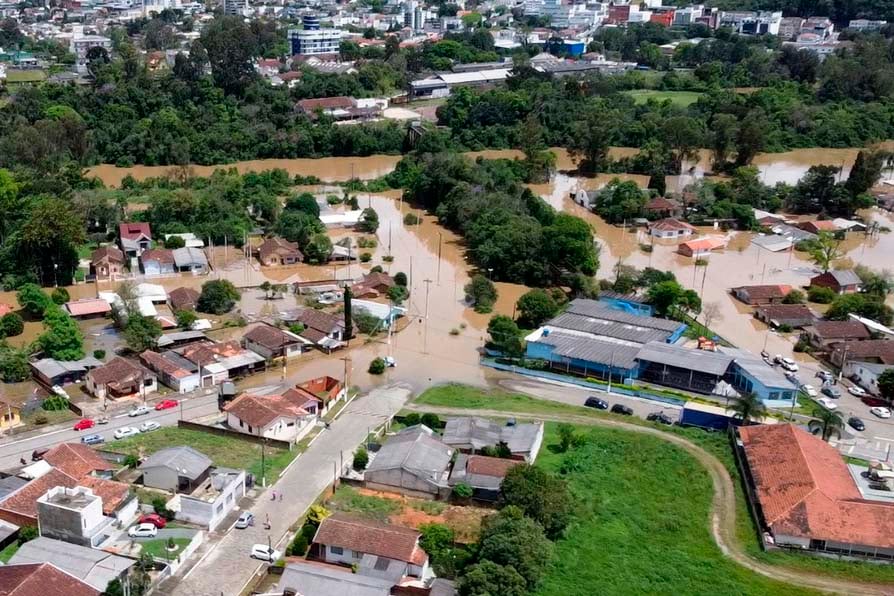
point(427, 283)
point(439, 257)
point(264, 463)
point(345, 359)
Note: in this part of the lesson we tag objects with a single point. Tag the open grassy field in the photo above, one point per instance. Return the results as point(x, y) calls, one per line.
point(229, 452)
point(158, 548)
point(14, 76)
point(678, 98)
point(641, 523)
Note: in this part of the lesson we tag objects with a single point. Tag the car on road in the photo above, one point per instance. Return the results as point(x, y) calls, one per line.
point(825, 375)
point(622, 409)
point(810, 390)
point(154, 519)
point(264, 553)
point(92, 440)
point(595, 402)
point(873, 402)
point(827, 403)
point(857, 391)
point(126, 431)
point(660, 417)
point(832, 392)
point(792, 377)
point(246, 518)
point(880, 412)
point(789, 364)
point(139, 411)
point(143, 531)
point(38, 454)
point(84, 424)
point(856, 423)
point(166, 404)
point(390, 362)
point(149, 426)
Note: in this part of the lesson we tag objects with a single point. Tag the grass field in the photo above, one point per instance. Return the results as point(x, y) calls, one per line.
point(7, 553)
point(158, 548)
point(348, 500)
point(229, 452)
point(14, 77)
point(678, 98)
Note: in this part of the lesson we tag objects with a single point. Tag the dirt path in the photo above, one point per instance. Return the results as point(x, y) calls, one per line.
point(723, 515)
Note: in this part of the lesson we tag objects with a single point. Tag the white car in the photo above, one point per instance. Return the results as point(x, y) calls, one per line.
point(149, 425)
point(126, 431)
point(856, 390)
point(143, 531)
point(880, 412)
point(810, 390)
point(789, 365)
point(827, 403)
point(264, 553)
point(139, 411)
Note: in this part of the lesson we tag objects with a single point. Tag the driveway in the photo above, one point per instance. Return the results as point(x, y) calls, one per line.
point(227, 564)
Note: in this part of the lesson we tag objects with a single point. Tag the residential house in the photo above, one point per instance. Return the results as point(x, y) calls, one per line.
point(94, 567)
point(50, 372)
point(278, 251)
point(670, 228)
point(210, 504)
point(306, 578)
point(228, 356)
point(202, 364)
point(42, 579)
point(790, 315)
point(10, 414)
point(805, 497)
point(750, 374)
point(73, 515)
point(661, 207)
point(866, 374)
point(841, 281)
point(483, 474)
point(822, 334)
point(815, 227)
point(474, 434)
point(120, 378)
point(78, 460)
point(183, 299)
point(701, 247)
point(176, 469)
point(157, 261)
point(768, 294)
point(287, 416)
point(272, 342)
point(880, 351)
point(413, 462)
point(88, 308)
point(378, 550)
point(773, 242)
point(190, 260)
point(107, 262)
point(178, 339)
point(373, 285)
point(135, 237)
point(328, 390)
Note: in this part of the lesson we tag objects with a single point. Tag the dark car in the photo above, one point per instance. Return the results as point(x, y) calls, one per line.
point(622, 409)
point(595, 402)
point(831, 392)
point(660, 417)
point(38, 454)
point(856, 423)
point(874, 402)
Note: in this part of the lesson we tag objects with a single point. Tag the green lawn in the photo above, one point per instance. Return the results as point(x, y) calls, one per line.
point(678, 98)
point(14, 76)
point(641, 522)
point(7, 553)
point(158, 548)
point(348, 500)
point(229, 452)
point(464, 396)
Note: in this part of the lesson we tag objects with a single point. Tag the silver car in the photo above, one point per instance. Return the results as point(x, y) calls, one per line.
point(246, 518)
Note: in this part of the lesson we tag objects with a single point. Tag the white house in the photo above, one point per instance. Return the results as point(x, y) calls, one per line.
point(286, 416)
point(866, 374)
point(210, 505)
point(671, 228)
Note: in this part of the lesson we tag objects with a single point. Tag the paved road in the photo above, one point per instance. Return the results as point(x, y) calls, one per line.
point(226, 568)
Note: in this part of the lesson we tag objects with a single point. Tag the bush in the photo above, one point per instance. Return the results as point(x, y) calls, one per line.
point(173, 242)
point(784, 328)
point(366, 323)
point(481, 293)
point(40, 419)
point(411, 219)
point(794, 297)
point(366, 242)
point(376, 367)
point(333, 199)
point(296, 328)
point(131, 461)
point(388, 258)
point(55, 403)
point(462, 491)
point(400, 278)
point(186, 318)
point(26, 534)
point(298, 546)
point(412, 419)
point(60, 296)
point(160, 507)
point(820, 294)
point(361, 459)
point(366, 257)
point(377, 269)
point(431, 420)
point(99, 354)
point(218, 297)
point(11, 324)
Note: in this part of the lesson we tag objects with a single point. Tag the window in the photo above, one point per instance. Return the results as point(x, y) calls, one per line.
point(381, 564)
point(148, 382)
point(219, 508)
point(356, 555)
point(336, 550)
point(774, 395)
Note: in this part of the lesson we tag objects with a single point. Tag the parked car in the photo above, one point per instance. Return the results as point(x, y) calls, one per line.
point(856, 423)
point(792, 377)
point(166, 404)
point(149, 426)
point(154, 519)
point(102, 420)
point(143, 531)
point(139, 411)
point(827, 403)
point(777, 359)
point(810, 390)
point(660, 417)
point(390, 362)
point(595, 402)
point(92, 440)
point(832, 392)
point(84, 424)
point(126, 431)
point(824, 375)
point(873, 402)
point(264, 553)
point(622, 409)
point(789, 365)
point(246, 518)
point(857, 391)
point(38, 454)
point(880, 412)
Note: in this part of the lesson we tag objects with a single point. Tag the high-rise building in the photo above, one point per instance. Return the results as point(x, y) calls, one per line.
point(236, 7)
point(309, 42)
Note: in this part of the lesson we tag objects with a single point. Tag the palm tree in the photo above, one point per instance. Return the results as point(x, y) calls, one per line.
point(749, 407)
point(831, 421)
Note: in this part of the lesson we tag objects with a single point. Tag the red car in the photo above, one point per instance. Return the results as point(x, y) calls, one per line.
point(166, 404)
point(154, 519)
point(84, 424)
point(873, 402)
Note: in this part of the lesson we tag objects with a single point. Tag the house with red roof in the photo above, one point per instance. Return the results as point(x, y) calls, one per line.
point(107, 262)
point(88, 308)
point(158, 261)
point(41, 579)
point(285, 416)
point(134, 237)
point(766, 294)
point(670, 228)
point(805, 497)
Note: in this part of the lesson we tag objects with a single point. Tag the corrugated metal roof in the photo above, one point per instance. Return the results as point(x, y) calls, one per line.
point(757, 368)
point(610, 329)
point(713, 363)
point(596, 309)
point(592, 349)
point(416, 450)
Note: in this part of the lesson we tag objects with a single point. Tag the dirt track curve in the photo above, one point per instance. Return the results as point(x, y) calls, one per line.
point(723, 514)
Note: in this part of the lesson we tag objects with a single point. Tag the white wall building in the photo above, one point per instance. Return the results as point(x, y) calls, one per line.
point(209, 507)
point(311, 42)
point(81, 44)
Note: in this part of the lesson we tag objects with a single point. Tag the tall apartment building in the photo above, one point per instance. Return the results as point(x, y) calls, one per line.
point(311, 42)
point(81, 44)
point(236, 7)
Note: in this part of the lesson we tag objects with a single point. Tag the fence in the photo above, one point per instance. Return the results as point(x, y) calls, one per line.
point(225, 432)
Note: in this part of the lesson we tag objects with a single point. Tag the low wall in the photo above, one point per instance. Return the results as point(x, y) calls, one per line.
point(225, 432)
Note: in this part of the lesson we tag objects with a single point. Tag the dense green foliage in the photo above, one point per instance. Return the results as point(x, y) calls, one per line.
point(218, 297)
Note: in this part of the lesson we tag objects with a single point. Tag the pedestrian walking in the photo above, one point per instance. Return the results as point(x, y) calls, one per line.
point(272, 495)
point(280, 497)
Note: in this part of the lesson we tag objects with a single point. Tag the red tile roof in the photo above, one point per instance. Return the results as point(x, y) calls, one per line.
point(41, 579)
point(765, 292)
point(88, 306)
point(849, 330)
point(270, 337)
point(805, 489)
point(107, 253)
point(206, 353)
point(490, 466)
point(24, 501)
point(280, 247)
point(159, 363)
point(134, 230)
point(661, 204)
point(870, 349)
point(372, 283)
point(325, 103)
point(183, 298)
point(76, 460)
point(261, 410)
point(704, 244)
point(162, 255)
point(112, 493)
point(670, 224)
point(117, 370)
point(365, 536)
